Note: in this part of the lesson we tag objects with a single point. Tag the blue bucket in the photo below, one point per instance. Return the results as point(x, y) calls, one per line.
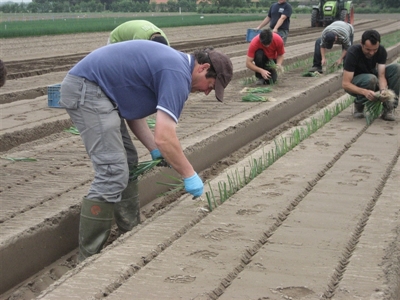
point(251, 33)
point(53, 95)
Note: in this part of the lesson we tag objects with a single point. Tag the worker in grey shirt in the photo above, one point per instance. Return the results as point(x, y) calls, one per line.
point(338, 32)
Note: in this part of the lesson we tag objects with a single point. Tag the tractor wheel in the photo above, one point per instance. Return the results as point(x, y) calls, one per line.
point(314, 18)
point(343, 15)
point(350, 16)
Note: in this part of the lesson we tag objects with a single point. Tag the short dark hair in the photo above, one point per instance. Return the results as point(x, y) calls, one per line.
point(202, 57)
point(159, 39)
point(3, 73)
point(372, 35)
point(266, 36)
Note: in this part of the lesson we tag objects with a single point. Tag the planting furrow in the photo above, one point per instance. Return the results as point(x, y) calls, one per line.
point(274, 218)
point(358, 231)
point(379, 246)
point(321, 235)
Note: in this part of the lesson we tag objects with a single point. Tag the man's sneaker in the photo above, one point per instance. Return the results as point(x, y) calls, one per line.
point(316, 69)
point(358, 110)
point(260, 81)
point(388, 115)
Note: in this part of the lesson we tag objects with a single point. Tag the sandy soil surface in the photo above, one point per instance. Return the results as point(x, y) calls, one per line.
point(322, 221)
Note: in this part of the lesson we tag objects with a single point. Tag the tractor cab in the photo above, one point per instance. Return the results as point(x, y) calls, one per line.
point(327, 12)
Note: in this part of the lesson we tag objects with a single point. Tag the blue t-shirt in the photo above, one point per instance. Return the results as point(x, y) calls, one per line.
point(140, 76)
point(276, 11)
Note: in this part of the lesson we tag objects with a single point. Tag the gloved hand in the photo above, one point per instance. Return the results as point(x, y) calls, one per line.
point(194, 185)
point(155, 154)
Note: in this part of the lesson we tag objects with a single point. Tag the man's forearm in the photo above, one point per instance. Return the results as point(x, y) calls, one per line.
point(279, 23)
point(279, 60)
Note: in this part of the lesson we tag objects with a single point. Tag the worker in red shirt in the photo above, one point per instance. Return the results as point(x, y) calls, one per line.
point(265, 56)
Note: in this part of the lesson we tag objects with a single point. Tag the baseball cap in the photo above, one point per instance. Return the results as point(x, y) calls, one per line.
point(329, 38)
point(222, 65)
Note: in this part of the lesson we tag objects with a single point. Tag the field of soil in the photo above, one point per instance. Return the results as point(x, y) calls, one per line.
point(321, 222)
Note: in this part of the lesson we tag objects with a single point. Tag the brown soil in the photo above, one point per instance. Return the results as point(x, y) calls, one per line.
point(322, 221)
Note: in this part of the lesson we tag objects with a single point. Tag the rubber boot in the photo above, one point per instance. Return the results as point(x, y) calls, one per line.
point(94, 227)
point(388, 111)
point(358, 110)
point(127, 211)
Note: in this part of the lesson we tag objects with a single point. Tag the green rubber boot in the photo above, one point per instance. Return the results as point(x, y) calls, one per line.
point(94, 227)
point(127, 211)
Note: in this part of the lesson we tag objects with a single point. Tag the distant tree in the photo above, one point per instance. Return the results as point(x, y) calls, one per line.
point(33, 7)
point(387, 3)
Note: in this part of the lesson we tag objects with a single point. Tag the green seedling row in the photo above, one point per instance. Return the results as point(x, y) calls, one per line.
point(237, 180)
point(10, 29)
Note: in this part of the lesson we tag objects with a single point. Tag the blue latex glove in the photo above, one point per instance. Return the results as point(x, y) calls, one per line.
point(194, 185)
point(155, 154)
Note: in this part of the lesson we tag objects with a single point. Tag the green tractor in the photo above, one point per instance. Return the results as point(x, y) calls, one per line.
point(326, 12)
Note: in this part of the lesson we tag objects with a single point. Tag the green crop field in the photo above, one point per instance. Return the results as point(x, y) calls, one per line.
point(78, 24)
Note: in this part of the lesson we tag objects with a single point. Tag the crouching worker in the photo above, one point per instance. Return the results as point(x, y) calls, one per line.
point(365, 73)
point(126, 82)
point(338, 32)
point(265, 56)
point(137, 30)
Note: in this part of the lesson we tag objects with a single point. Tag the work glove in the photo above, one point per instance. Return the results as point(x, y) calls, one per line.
point(194, 185)
point(156, 154)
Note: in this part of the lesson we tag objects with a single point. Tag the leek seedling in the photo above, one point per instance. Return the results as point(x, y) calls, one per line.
point(72, 130)
point(373, 109)
point(151, 122)
point(311, 74)
point(175, 187)
point(254, 98)
point(143, 167)
point(257, 90)
point(19, 158)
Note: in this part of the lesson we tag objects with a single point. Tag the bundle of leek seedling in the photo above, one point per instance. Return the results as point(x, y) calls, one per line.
point(151, 122)
point(143, 167)
point(72, 130)
point(311, 74)
point(254, 98)
point(257, 90)
point(373, 109)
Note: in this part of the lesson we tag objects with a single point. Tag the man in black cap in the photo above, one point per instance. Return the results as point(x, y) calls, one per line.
point(126, 82)
point(338, 32)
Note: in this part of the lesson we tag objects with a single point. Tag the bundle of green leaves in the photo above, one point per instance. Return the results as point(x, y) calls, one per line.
point(254, 98)
point(373, 109)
